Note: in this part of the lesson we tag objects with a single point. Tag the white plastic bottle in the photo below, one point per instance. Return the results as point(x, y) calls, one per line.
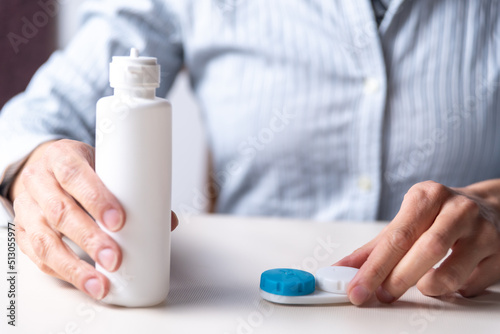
point(133, 159)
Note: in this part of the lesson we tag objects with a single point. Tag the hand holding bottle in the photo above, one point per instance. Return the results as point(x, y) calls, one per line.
point(57, 193)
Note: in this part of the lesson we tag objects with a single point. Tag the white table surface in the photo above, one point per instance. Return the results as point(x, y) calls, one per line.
point(216, 267)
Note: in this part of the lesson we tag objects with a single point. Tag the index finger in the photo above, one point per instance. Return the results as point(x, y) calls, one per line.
point(77, 177)
point(420, 207)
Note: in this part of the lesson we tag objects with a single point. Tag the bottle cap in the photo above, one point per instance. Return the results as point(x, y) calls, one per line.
point(134, 71)
point(287, 282)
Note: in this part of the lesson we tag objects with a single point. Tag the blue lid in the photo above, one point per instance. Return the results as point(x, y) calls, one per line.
point(287, 282)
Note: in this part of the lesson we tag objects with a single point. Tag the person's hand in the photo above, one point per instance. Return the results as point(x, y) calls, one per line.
point(53, 196)
point(432, 220)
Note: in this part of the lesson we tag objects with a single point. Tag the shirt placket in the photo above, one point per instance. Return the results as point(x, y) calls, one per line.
point(368, 115)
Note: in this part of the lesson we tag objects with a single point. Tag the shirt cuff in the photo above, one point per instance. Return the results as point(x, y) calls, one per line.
point(9, 173)
point(6, 209)
point(6, 212)
point(8, 177)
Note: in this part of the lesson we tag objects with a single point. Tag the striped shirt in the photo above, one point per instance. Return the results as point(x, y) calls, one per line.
point(311, 109)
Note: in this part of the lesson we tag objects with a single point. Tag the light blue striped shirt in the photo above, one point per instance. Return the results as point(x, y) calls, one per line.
point(310, 109)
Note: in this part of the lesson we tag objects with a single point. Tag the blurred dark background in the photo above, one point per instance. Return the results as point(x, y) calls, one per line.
point(27, 38)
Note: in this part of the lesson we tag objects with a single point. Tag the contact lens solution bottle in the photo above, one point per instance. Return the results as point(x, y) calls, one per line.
point(134, 160)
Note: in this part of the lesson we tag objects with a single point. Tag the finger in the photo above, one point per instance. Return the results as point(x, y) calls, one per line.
point(25, 247)
point(65, 215)
point(73, 171)
point(486, 273)
point(358, 257)
point(418, 210)
point(51, 251)
point(459, 270)
point(174, 221)
point(452, 223)
point(451, 274)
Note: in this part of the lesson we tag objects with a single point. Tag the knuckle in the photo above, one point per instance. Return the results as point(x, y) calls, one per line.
point(70, 271)
point(42, 266)
point(379, 273)
point(399, 283)
point(21, 241)
point(56, 211)
point(435, 189)
point(450, 280)
point(89, 241)
point(20, 231)
point(436, 244)
point(20, 203)
point(426, 286)
point(55, 149)
point(401, 239)
point(466, 205)
point(41, 243)
point(59, 145)
point(91, 197)
point(415, 193)
point(428, 191)
point(87, 152)
point(66, 168)
point(487, 236)
point(63, 146)
point(29, 172)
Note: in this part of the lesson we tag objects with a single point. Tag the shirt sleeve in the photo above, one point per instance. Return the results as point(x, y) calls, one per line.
point(60, 100)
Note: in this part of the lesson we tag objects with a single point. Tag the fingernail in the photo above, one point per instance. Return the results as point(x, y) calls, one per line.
point(107, 258)
point(112, 219)
point(384, 296)
point(175, 221)
point(94, 288)
point(359, 295)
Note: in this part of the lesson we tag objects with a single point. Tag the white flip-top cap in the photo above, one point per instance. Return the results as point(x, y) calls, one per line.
point(335, 279)
point(134, 71)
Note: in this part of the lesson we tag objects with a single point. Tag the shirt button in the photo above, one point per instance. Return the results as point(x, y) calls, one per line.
point(364, 183)
point(372, 85)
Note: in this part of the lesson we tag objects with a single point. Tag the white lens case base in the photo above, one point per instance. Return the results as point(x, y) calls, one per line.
point(297, 287)
point(316, 298)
